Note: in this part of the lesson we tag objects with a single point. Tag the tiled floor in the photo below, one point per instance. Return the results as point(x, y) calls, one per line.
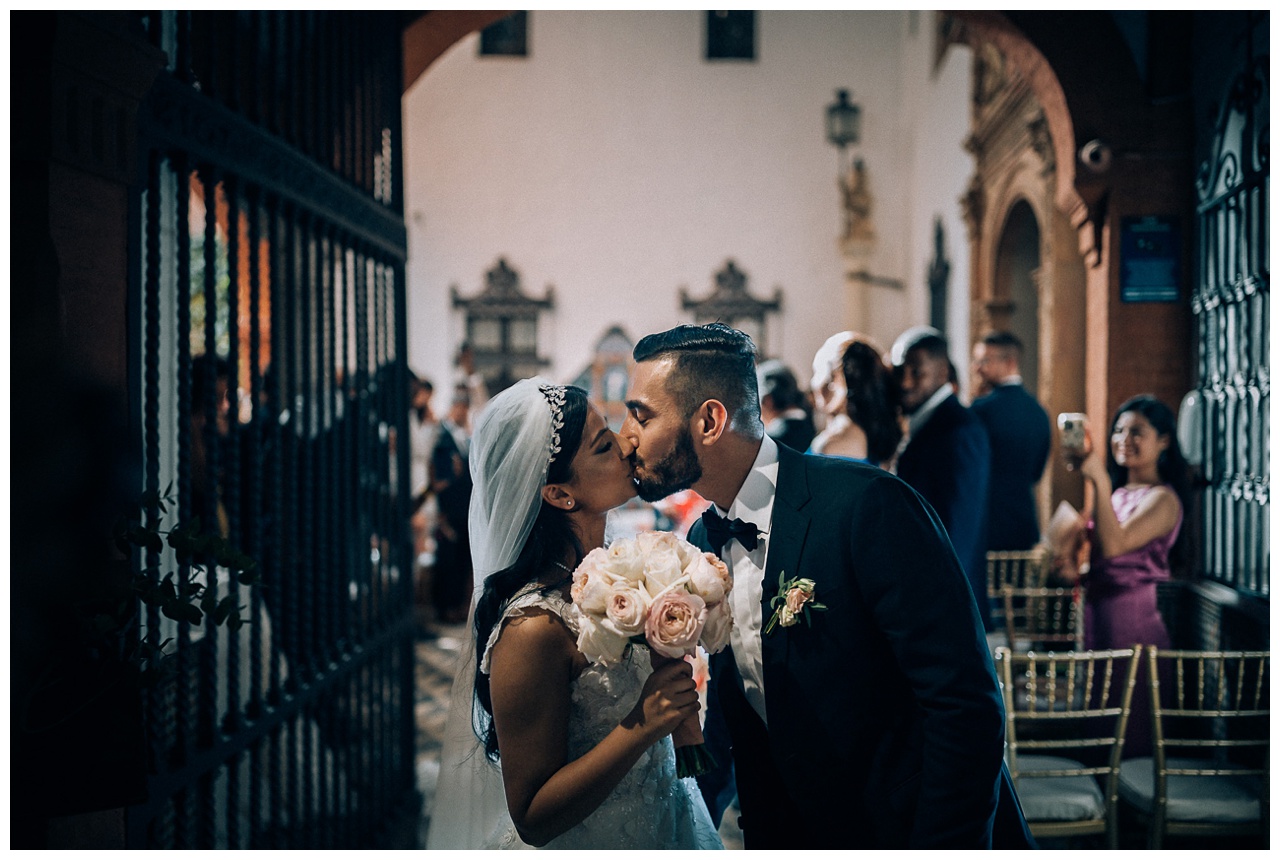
point(437, 648)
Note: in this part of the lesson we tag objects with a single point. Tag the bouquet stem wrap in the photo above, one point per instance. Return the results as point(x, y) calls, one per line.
point(692, 756)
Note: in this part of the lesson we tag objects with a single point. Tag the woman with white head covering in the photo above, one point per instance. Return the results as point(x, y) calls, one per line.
point(852, 386)
point(555, 752)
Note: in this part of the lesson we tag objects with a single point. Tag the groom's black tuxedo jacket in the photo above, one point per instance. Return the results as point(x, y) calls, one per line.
point(885, 723)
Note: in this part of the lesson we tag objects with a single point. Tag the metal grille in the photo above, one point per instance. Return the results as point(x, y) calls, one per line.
point(271, 249)
point(1232, 309)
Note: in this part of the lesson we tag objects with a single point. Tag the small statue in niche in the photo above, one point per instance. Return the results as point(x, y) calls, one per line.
point(855, 189)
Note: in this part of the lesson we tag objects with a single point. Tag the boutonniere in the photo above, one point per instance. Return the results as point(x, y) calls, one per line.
point(794, 600)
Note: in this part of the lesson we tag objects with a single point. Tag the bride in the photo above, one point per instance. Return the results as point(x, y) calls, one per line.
point(541, 747)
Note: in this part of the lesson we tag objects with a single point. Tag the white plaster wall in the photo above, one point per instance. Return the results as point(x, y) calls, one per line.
point(617, 165)
point(940, 171)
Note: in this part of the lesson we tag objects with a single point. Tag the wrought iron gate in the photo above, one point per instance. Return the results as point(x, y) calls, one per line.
point(269, 356)
point(1232, 304)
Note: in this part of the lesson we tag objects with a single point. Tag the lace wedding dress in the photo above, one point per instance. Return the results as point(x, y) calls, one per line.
point(651, 808)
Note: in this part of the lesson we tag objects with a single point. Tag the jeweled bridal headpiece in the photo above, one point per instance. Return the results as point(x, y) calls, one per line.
point(555, 400)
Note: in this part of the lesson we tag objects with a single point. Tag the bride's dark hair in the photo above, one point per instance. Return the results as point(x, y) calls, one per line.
point(552, 539)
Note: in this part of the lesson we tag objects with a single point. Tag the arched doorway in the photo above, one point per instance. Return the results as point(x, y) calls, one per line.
point(1017, 282)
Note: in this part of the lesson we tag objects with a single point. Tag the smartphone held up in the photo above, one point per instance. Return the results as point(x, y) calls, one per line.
point(1071, 430)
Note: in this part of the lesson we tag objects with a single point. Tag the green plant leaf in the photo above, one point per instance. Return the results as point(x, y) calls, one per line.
point(188, 589)
point(180, 611)
point(145, 538)
point(226, 606)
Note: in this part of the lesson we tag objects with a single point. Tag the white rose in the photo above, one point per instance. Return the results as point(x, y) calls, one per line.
point(715, 634)
point(623, 559)
point(626, 608)
point(651, 542)
point(598, 643)
point(785, 616)
point(662, 568)
point(590, 589)
point(687, 551)
point(705, 579)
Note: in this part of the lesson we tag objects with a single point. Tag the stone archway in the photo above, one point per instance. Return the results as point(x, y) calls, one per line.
point(1115, 153)
point(1027, 269)
point(430, 34)
point(1016, 285)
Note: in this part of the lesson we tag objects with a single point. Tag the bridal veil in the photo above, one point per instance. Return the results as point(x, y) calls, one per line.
point(510, 453)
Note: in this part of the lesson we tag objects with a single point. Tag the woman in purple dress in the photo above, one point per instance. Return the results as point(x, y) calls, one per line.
point(1131, 538)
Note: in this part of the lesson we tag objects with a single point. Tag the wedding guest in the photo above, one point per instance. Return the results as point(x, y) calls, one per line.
point(451, 485)
point(947, 458)
point(872, 403)
point(828, 390)
point(208, 485)
point(1132, 522)
point(423, 428)
point(472, 380)
point(1019, 431)
point(783, 406)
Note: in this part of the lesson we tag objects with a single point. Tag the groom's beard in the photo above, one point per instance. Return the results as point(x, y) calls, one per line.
point(677, 471)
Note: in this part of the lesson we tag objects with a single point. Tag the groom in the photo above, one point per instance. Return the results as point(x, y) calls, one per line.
point(878, 722)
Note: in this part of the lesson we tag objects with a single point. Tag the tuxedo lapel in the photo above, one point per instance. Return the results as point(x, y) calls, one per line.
point(787, 532)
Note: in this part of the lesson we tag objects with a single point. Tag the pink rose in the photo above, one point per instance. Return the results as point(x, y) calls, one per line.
point(797, 598)
point(675, 622)
point(625, 608)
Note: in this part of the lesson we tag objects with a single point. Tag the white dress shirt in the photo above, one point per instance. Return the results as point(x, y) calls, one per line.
point(921, 416)
point(753, 504)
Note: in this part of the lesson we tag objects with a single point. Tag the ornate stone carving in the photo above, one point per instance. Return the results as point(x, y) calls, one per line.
point(989, 73)
point(973, 204)
point(855, 190)
point(730, 303)
point(1041, 142)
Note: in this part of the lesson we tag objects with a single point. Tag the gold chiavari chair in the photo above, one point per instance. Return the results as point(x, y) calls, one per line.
point(1043, 618)
point(1066, 714)
point(1210, 771)
point(1023, 569)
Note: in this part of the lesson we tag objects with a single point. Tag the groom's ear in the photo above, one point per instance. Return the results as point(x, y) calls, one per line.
point(709, 422)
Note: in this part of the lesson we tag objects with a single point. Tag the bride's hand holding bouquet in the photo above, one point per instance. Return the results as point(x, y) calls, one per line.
point(662, 592)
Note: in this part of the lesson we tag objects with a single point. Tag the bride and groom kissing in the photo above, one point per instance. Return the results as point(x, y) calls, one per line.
point(878, 723)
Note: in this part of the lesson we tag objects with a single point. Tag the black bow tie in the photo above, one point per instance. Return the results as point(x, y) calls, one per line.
point(720, 531)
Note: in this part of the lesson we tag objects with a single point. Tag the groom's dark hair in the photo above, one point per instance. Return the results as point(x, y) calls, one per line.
point(711, 362)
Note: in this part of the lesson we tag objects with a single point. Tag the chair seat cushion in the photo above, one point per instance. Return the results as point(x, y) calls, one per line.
point(1218, 799)
point(1057, 798)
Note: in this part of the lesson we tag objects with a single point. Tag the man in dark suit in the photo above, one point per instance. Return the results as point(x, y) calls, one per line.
point(782, 406)
point(1020, 434)
point(875, 721)
point(451, 483)
point(947, 458)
